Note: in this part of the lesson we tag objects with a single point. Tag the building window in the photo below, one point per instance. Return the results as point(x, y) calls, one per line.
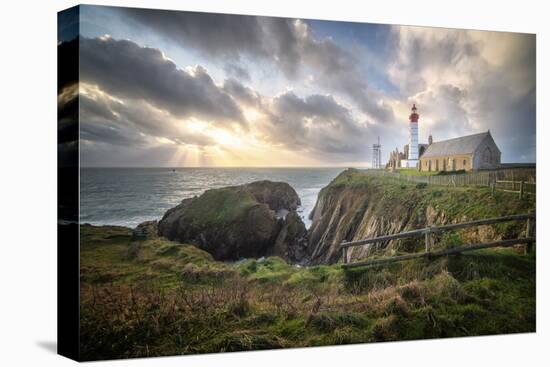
point(464, 163)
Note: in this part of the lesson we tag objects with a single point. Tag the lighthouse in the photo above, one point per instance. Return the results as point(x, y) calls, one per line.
point(412, 159)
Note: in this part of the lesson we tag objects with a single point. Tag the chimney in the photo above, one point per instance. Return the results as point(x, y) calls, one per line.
point(430, 140)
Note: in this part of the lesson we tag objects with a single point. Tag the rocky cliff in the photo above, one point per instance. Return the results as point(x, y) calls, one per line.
point(355, 206)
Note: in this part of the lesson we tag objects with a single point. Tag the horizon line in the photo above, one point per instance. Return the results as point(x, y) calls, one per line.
point(173, 167)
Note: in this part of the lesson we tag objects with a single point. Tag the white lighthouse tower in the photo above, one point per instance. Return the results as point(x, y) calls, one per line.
point(412, 159)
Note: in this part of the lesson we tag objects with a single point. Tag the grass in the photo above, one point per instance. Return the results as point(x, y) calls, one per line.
point(415, 172)
point(221, 206)
point(156, 297)
point(396, 197)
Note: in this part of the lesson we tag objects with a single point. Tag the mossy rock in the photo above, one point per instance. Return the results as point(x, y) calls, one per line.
point(238, 222)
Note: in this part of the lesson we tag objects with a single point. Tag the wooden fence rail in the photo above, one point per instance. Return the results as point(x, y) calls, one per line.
point(487, 178)
point(529, 240)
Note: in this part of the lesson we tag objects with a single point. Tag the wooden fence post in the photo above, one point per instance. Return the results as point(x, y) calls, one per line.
point(428, 239)
point(521, 188)
point(345, 253)
point(528, 233)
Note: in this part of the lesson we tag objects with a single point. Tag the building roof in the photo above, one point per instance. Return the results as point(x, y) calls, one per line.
point(462, 145)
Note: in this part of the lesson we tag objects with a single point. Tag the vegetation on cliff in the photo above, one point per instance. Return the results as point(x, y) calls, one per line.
point(356, 205)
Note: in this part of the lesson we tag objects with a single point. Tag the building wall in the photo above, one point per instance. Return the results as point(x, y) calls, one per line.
point(487, 155)
point(445, 163)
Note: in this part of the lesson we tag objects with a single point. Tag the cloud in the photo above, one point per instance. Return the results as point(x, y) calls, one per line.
point(327, 109)
point(106, 119)
point(125, 101)
point(218, 35)
point(123, 68)
point(337, 70)
point(224, 36)
point(316, 124)
point(466, 81)
point(287, 43)
point(242, 93)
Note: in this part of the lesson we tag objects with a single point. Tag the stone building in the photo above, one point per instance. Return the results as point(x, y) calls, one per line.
point(472, 152)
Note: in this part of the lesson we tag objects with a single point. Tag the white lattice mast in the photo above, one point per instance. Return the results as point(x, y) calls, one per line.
point(412, 159)
point(377, 155)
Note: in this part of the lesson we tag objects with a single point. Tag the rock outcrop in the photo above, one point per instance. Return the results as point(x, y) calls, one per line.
point(355, 206)
point(277, 195)
point(291, 242)
point(240, 222)
point(145, 231)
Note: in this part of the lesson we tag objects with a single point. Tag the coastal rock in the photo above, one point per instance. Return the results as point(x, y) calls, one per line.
point(277, 195)
point(237, 222)
point(349, 209)
point(145, 231)
point(356, 206)
point(291, 242)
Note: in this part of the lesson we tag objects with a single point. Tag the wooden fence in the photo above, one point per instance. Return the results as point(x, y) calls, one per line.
point(520, 187)
point(427, 232)
point(518, 180)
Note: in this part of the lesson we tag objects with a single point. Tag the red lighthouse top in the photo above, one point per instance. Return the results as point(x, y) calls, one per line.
point(414, 116)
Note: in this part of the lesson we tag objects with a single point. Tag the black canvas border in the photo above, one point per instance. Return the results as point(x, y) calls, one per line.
point(68, 188)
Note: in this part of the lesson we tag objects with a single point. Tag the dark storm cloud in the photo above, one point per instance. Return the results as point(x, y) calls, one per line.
point(337, 70)
point(110, 121)
point(217, 34)
point(108, 132)
point(98, 108)
point(288, 43)
point(324, 108)
point(316, 123)
point(512, 123)
point(224, 35)
point(283, 42)
point(123, 68)
point(132, 105)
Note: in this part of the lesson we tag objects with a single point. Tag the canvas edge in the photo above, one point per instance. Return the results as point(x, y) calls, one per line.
point(68, 166)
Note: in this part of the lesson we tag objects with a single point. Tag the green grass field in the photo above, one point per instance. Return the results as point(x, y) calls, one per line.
point(156, 297)
point(415, 172)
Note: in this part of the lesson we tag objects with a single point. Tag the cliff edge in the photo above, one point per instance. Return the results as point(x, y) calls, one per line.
point(356, 205)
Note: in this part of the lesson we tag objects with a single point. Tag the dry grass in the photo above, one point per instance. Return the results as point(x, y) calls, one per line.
point(174, 299)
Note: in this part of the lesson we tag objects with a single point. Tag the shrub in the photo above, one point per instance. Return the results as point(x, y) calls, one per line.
point(413, 293)
point(445, 285)
point(385, 329)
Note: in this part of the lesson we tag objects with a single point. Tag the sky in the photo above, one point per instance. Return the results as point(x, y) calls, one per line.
point(170, 88)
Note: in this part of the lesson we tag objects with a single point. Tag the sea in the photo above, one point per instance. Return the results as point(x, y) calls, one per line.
point(129, 196)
